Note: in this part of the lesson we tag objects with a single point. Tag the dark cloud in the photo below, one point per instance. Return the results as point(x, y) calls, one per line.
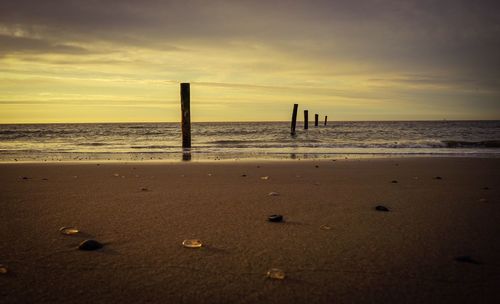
point(460, 36)
point(12, 44)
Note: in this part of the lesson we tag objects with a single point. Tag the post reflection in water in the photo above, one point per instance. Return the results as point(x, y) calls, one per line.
point(186, 154)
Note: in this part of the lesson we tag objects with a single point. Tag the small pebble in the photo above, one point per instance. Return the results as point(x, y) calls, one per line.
point(438, 177)
point(264, 177)
point(325, 227)
point(194, 243)
point(394, 181)
point(243, 175)
point(316, 166)
point(275, 218)
point(273, 194)
point(89, 245)
point(3, 269)
point(209, 174)
point(276, 274)
point(381, 208)
point(25, 177)
point(116, 175)
point(144, 189)
point(467, 259)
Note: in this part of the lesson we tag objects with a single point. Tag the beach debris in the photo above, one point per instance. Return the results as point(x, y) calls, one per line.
point(273, 194)
point(69, 230)
point(483, 200)
point(275, 274)
point(394, 181)
point(116, 175)
point(89, 245)
point(3, 269)
point(192, 243)
point(467, 259)
point(264, 177)
point(381, 208)
point(275, 218)
point(438, 177)
point(144, 189)
point(325, 227)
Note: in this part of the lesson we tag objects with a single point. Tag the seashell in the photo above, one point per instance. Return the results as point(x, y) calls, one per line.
point(381, 208)
point(193, 243)
point(275, 218)
point(69, 230)
point(276, 274)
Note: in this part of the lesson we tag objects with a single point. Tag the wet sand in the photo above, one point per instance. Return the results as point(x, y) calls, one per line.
point(437, 244)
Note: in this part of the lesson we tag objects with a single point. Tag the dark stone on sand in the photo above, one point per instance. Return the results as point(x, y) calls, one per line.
point(25, 177)
point(275, 218)
point(89, 245)
point(394, 181)
point(467, 259)
point(316, 166)
point(381, 208)
point(144, 189)
point(438, 177)
point(243, 175)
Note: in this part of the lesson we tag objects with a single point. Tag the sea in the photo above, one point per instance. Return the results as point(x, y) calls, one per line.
point(247, 140)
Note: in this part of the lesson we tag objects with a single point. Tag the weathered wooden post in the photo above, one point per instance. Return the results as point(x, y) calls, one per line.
point(306, 119)
point(316, 117)
point(326, 119)
point(186, 115)
point(294, 118)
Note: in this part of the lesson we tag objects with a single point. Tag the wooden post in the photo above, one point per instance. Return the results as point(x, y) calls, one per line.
point(326, 119)
point(306, 119)
point(316, 117)
point(186, 115)
point(294, 118)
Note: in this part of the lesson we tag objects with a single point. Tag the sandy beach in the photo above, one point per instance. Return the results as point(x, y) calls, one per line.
point(439, 243)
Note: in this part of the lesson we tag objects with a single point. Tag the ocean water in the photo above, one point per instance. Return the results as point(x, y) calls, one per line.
point(248, 140)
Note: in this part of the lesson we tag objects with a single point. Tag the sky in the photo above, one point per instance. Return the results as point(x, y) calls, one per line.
point(122, 61)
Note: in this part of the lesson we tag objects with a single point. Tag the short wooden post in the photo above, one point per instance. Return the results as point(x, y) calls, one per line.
point(294, 118)
point(316, 117)
point(306, 119)
point(326, 119)
point(186, 115)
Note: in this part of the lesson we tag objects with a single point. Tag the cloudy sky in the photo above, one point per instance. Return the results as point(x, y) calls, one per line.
point(120, 61)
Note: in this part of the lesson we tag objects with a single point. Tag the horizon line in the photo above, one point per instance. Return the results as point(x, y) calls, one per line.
point(244, 121)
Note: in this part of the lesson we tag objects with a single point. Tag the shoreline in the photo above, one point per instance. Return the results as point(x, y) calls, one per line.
point(424, 249)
